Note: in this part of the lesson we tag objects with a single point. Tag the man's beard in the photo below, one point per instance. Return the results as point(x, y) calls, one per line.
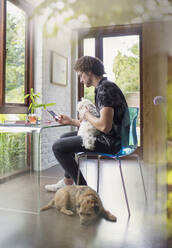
point(88, 83)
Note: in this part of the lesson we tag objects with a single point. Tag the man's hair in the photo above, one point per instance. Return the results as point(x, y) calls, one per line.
point(89, 64)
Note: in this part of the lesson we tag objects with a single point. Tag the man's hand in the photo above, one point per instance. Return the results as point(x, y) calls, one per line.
point(83, 114)
point(64, 119)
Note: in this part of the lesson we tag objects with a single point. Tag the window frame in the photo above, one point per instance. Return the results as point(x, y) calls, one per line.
point(16, 108)
point(111, 31)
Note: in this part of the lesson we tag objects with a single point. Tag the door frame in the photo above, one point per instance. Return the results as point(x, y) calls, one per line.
point(111, 31)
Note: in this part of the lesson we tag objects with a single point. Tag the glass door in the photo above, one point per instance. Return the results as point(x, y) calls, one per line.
point(121, 57)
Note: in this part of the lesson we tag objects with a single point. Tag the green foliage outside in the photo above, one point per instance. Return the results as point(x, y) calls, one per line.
point(5, 117)
point(89, 93)
point(90, 12)
point(12, 148)
point(15, 57)
point(12, 152)
point(96, 13)
point(126, 70)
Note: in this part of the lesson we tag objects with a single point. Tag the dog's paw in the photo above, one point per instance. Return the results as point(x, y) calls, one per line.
point(108, 216)
point(112, 218)
point(66, 211)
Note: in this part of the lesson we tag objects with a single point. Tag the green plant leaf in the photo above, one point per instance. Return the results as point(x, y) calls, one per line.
point(31, 91)
point(30, 106)
point(50, 104)
point(32, 98)
point(33, 103)
point(26, 96)
point(38, 105)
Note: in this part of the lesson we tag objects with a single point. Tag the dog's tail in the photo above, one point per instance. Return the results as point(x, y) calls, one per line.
point(108, 216)
point(49, 205)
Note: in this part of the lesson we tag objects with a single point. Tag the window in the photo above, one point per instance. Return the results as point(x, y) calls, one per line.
point(16, 56)
point(119, 47)
point(89, 50)
point(16, 79)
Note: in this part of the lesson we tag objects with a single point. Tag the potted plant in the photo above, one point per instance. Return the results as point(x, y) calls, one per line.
point(32, 117)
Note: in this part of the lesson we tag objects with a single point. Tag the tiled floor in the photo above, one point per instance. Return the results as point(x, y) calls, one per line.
point(50, 229)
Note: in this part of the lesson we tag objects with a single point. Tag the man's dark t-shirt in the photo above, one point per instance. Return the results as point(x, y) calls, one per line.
point(108, 94)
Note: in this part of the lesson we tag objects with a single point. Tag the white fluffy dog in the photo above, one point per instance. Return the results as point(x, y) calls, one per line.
point(86, 129)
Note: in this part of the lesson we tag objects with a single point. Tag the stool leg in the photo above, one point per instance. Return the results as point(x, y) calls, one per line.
point(86, 166)
point(123, 184)
point(77, 157)
point(78, 161)
point(141, 172)
point(98, 172)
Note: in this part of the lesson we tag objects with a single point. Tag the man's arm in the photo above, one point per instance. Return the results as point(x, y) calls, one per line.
point(104, 122)
point(64, 119)
point(75, 123)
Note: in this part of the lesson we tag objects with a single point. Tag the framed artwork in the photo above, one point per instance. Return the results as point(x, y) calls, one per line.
point(58, 69)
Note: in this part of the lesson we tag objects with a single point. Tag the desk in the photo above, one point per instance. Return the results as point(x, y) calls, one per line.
point(22, 193)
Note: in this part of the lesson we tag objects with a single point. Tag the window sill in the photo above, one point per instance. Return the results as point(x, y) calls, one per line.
point(13, 109)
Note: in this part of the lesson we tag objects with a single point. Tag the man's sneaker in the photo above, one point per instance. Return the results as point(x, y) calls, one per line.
point(55, 187)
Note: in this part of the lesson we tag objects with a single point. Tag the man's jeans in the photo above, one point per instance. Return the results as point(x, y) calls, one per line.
point(64, 150)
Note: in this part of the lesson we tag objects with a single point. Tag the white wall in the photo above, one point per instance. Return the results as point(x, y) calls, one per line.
point(61, 95)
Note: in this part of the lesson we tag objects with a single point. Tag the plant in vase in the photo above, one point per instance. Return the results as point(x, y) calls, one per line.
point(32, 117)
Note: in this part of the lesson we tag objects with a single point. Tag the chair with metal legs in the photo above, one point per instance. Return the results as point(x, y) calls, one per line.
point(126, 150)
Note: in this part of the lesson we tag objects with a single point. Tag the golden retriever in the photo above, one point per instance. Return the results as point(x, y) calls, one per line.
point(81, 200)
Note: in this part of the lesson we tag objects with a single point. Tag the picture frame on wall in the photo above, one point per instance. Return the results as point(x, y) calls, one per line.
point(59, 69)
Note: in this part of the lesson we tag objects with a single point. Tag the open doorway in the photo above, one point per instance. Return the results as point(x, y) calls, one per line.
point(120, 50)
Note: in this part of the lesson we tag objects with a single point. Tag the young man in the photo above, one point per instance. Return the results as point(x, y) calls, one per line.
point(112, 108)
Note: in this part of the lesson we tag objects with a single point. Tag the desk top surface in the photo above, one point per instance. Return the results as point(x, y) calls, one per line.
point(27, 127)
